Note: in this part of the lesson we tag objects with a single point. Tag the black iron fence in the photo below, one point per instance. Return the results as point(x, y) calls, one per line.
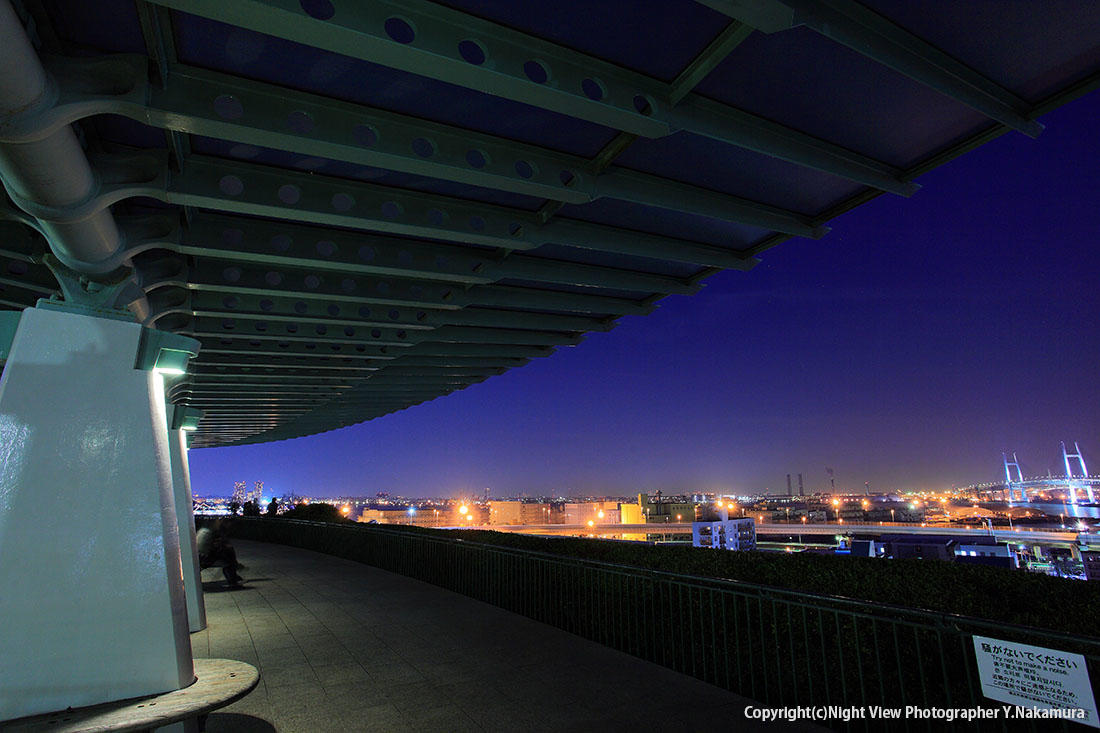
point(777, 647)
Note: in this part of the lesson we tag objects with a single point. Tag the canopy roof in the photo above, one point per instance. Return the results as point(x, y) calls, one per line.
point(360, 206)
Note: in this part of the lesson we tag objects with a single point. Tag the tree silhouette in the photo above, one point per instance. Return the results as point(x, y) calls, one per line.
point(316, 512)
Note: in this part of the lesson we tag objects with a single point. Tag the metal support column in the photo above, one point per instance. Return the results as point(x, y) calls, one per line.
point(181, 420)
point(92, 596)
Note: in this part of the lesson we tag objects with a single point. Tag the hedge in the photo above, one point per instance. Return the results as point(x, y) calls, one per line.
point(994, 594)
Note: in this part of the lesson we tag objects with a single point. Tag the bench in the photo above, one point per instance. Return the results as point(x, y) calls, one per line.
point(218, 682)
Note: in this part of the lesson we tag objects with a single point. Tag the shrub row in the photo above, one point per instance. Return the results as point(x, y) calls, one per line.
point(994, 594)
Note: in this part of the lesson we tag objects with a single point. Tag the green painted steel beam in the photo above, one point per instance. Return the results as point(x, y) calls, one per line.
point(424, 351)
point(706, 60)
point(290, 245)
point(322, 365)
point(282, 311)
point(203, 102)
point(575, 84)
point(259, 376)
point(291, 195)
point(449, 349)
point(319, 293)
point(257, 190)
point(285, 244)
point(284, 349)
point(230, 390)
point(861, 29)
point(35, 278)
point(359, 30)
point(213, 328)
point(216, 105)
point(716, 120)
point(460, 361)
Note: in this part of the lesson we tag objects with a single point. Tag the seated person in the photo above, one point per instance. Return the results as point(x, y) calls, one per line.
point(214, 549)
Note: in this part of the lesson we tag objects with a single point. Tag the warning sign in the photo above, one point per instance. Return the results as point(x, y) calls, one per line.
point(1035, 677)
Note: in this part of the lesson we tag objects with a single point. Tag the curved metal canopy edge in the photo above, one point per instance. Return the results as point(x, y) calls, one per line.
point(357, 207)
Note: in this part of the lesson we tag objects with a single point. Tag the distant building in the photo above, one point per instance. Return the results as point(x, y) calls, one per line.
point(1091, 561)
point(926, 547)
point(865, 548)
point(523, 512)
point(729, 534)
point(631, 514)
point(597, 512)
point(660, 510)
point(987, 554)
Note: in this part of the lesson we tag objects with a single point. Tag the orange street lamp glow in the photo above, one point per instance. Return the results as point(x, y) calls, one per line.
point(600, 515)
point(463, 509)
point(719, 505)
point(590, 523)
point(345, 509)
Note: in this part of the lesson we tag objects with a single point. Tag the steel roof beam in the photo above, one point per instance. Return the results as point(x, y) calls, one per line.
point(287, 349)
point(215, 105)
point(419, 304)
point(258, 190)
point(230, 390)
point(206, 328)
point(876, 37)
point(318, 293)
point(567, 82)
point(283, 244)
point(339, 131)
point(437, 349)
point(450, 351)
point(283, 311)
point(369, 376)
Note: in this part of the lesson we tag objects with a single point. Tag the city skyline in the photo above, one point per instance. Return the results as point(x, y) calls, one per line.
point(908, 348)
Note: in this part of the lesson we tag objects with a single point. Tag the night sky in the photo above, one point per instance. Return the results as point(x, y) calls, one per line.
point(907, 348)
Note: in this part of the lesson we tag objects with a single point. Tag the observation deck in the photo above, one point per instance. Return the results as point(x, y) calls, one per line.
point(344, 646)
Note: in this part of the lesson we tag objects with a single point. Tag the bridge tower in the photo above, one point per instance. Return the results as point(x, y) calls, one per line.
point(1069, 473)
point(1008, 476)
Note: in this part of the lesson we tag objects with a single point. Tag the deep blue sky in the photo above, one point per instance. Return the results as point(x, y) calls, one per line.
point(907, 348)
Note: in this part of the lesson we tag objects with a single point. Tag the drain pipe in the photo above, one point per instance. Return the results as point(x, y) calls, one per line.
point(46, 172)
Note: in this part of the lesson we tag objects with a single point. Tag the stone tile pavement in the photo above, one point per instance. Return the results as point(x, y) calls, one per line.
point(347, 647)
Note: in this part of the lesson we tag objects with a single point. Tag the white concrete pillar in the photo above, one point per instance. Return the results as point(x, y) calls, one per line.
point(185, 516)
point(91, 590)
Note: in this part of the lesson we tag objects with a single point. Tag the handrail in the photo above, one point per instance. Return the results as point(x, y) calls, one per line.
point(873, 608)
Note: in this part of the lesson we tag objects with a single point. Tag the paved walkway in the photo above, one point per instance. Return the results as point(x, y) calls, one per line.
point(347, 647)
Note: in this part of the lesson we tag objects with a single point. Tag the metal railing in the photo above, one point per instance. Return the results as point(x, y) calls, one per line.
point(777, 647)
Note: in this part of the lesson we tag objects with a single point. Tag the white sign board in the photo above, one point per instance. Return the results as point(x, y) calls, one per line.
point(1035, 677)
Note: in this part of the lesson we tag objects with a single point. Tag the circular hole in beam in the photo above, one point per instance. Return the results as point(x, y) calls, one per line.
point(593, 89)
point(423, 147)
point(536, 71)
point(231, 185)
point(400, 30)
point(319, 9)
point(290, 194)
point(228, 107)
point(472, 52)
